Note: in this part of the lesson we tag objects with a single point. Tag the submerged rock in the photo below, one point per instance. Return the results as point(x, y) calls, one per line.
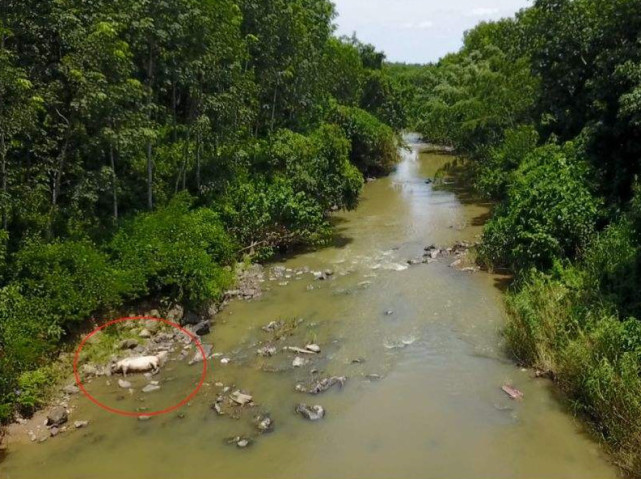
point(149, 388)
point(198, 357)
point(299, 362)
point(326, 383)
point(266, 352)
point(124, 384)
point(311, 413)
point(201, 329)
point(272, 326)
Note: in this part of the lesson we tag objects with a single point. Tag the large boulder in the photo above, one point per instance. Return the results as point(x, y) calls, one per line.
point(57, 416)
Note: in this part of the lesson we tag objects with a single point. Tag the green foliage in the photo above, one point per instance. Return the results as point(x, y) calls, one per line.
point(593, 355)
point(33, 387)
point(175, 252)
point(73, 278)
point(495, 172)
point(549, 212)
point(319, 166)
point(267, 215)
point(374, 145)
point(613, 267)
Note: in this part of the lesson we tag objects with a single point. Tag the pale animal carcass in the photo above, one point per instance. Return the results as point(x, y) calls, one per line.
point(141, 364)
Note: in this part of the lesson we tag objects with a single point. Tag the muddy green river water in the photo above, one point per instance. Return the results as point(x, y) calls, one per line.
point(431, 332)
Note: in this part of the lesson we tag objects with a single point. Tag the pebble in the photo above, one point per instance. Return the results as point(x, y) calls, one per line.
point(150, 388)
point(80, 424)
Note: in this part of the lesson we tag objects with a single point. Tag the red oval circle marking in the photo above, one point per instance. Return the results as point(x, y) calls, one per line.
point(146, 413)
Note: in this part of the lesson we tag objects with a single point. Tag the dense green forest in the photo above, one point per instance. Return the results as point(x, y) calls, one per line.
point(545, 109)
point(147, 145)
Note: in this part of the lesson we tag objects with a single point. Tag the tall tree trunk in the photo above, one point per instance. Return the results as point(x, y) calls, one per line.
point(57, 177)
point(3, 152)
point(271, 128)
point(114, 181)
point(150, 168)
point(198, 153)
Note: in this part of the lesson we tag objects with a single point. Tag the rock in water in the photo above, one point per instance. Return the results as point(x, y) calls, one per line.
point(57, 416)
point(198, 357)
point(243, 443)
point(326, 383)
point(150, 388)
point(71, 389)
point(264, 424)
point(266, 352)
point(299, 362)
point(311, 413)
point(201, 329)
point(124, 384)
point(272, 326)
point(240, 398)
point(80, 424)
point(315, 348)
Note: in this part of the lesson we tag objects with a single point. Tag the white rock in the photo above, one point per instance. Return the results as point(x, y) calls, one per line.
point(299, 362)
point(240, 398)
point(315, 348)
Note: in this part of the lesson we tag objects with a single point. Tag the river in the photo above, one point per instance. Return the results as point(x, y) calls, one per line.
point(430, 332)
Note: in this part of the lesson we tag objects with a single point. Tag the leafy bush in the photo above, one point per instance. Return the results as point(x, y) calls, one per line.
point(549, 212)
point(495, 172)
point(374, 144)
point(269, 214)
point(613, 267)
point(73, 278)
point(33, 389)
point(176, 252)
point(318, 165)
